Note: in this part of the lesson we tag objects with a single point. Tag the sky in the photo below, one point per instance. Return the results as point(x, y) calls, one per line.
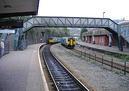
point(114, 9)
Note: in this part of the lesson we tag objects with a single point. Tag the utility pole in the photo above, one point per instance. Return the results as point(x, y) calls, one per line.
point(103, 14)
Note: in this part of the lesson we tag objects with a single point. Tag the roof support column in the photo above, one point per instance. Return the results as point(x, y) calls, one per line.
point(120, 46)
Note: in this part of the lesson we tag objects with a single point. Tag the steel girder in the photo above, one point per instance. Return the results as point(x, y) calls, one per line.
point(79, 22)
point(124, 31)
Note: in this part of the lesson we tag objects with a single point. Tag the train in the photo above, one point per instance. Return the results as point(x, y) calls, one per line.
point(52, 40)
point(68, 42)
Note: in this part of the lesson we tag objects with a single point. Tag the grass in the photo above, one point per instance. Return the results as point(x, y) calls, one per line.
point(118, 55)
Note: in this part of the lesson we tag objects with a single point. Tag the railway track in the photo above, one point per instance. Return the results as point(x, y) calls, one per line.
point(63, 79)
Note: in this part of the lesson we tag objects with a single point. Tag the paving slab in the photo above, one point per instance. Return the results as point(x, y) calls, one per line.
point(20, 71)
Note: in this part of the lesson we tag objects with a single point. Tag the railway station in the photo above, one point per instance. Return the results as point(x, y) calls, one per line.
point(61, 53)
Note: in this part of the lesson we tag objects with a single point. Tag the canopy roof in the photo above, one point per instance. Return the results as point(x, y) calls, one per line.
point(9, 8)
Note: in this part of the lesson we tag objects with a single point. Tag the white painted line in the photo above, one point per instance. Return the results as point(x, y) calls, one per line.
point(42, 72)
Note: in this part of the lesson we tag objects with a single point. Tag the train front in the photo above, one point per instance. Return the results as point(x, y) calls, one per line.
point(71, 43)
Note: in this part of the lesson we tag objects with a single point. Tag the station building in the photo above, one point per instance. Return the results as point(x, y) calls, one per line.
point(101, 36)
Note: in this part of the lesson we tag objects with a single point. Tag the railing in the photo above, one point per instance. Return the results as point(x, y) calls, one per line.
point(109, 61)
point(124, 31)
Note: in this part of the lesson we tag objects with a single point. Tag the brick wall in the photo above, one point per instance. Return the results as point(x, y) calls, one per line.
point(99, 39)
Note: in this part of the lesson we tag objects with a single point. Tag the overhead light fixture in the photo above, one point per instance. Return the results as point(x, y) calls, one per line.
point(6, 4)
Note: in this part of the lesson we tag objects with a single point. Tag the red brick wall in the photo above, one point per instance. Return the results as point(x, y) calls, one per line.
point(104, 40)
point(100, 40)
point(89, 39)
point(96, 40)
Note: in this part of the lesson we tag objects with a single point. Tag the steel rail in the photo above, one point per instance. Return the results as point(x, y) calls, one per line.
point(62, 78)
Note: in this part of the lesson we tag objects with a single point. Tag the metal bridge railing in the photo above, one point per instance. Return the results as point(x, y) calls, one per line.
point(124, 31)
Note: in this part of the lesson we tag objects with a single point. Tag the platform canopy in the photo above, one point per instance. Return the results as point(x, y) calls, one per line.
point(9, 8)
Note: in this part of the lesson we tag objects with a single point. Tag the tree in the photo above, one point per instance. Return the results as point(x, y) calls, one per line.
point(58, 32)
point(66, 32)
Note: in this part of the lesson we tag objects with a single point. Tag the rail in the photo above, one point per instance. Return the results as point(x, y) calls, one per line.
point(63, 80)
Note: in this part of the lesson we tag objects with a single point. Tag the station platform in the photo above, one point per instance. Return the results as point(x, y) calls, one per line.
point(113, 49)
point(20, 71)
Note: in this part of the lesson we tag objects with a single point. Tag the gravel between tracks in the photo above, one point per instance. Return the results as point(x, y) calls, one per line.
point(91, 74)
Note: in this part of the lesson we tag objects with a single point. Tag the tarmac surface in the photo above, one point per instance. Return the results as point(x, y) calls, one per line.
point(20, 71)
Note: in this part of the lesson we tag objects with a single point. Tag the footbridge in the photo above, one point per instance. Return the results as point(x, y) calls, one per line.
point(124, 31)
point(118, 30)
point(74, 22)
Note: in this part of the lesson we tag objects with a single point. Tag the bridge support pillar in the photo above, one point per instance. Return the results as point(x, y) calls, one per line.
point(120, 46)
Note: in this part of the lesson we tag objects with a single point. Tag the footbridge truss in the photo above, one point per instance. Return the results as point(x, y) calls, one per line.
point(73, 22)
point(124, 31)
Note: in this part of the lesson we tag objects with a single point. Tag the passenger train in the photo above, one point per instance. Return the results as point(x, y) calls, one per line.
point(68, 42)
point(52, 40)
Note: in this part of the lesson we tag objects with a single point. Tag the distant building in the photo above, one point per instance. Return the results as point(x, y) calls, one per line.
point(98, 36)
point(101, 36)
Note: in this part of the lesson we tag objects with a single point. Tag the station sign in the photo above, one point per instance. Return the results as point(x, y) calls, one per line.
point(11, 24)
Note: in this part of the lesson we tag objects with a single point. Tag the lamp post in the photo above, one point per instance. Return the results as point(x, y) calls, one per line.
point(103, 14)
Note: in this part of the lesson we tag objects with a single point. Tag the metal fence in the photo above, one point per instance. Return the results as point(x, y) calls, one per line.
point(110, 61)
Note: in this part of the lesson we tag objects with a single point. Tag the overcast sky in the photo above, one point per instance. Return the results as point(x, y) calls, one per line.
point(114, 9)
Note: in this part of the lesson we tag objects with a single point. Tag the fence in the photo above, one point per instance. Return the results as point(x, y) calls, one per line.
point(103, 60)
